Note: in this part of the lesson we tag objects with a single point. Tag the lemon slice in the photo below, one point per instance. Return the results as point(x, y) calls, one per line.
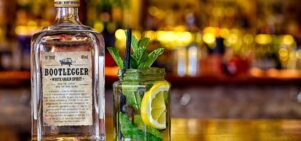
point(153, 107)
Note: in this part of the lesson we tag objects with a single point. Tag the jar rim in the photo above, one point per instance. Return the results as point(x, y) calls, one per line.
point(141, 74)
point(148, 70)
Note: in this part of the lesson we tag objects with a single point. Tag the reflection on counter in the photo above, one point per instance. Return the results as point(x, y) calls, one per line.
point(230, 130)
point(15, 114)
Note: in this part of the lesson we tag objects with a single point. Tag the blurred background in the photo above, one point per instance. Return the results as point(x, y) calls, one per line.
point(233, 59)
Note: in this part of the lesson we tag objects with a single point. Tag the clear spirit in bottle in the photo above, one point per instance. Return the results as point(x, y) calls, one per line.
point(67, 75)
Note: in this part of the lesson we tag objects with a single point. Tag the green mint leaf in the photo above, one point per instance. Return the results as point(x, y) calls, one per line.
point(139, 55)
point(134, 43)
point(140, 125)
point(116, 56)
point(151, 58)
point(143, 42)
point(140, 59)
point(131, 132)
point(133, 63)
point(130, 91)
point(127, 128)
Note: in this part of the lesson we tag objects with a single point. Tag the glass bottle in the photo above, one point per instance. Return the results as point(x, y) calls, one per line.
point(67, 75)
point(141, 106)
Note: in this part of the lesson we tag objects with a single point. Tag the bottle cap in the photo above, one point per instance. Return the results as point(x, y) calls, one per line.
point(66, 3)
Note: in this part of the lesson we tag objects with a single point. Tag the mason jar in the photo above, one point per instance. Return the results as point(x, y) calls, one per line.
point(141, 105)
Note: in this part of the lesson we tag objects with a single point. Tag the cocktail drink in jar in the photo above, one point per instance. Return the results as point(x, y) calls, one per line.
point(141, 98)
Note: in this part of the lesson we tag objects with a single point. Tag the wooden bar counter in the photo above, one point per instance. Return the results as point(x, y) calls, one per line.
point(229, 130)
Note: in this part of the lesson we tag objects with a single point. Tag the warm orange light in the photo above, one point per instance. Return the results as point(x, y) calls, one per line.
point(29, 29)
point(273, 73)
point(120, 34)
point(288, 40)
point(283, 53)
point(224, 32)
point(232, 39)
point(150, 34)
point(256, 72)
point(210, 30)
point(98, 26)
point(111, 71)
point(263, 39)
point(290, 73)
point(209, 38)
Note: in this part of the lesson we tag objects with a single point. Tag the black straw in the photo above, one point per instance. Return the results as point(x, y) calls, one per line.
point(128, 49)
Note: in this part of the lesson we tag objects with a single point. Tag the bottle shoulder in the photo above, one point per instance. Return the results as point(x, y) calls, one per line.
point(67, 27)
point(67, 32)
point(66, 39)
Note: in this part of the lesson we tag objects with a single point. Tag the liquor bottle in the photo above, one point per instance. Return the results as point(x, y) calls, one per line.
point(67, 75)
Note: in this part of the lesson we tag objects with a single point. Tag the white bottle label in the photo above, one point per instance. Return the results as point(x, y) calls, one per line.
point(67, 88)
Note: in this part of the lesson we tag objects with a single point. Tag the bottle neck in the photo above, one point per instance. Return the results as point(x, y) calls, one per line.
point(67, 15)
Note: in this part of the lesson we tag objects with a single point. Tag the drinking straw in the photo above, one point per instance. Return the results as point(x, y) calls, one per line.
point(128, 49)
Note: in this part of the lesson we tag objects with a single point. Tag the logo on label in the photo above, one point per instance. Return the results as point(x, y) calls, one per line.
point(66, 61)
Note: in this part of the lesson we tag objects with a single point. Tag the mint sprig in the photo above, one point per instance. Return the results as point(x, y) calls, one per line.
point(140, 57)
point(151, 58)
point(116, 56)
point(131, 132)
